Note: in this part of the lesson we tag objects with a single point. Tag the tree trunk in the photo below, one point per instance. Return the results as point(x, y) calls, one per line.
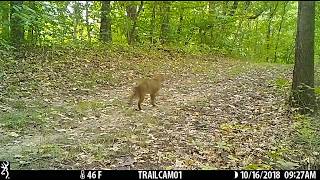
point(211, 7)
point(152, 23)
point(132, 37)
point(236, 34)
point(247, 5)
point(279, 31)
point(256, 40)
point(5, 34)
point(273, 11)
point(234, 8)
point(165, 25)
point(131, 10)
point(133, 14)
point(180, 23)
point(303, 96)
point(87, 21)
point(105, 27)
point(31, 30)
point(212, 18)
point(16, 26)
point(76, 8)
point(225, 7)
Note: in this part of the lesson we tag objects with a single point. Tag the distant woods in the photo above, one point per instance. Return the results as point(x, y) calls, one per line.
point(261, 30)
point(279, 32)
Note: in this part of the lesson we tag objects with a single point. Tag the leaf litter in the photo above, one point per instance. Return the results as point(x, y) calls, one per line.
point(211, 114)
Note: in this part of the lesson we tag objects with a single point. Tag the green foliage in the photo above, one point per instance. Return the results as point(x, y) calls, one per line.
point(256, 30)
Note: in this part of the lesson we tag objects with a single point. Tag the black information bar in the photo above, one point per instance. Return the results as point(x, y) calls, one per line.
point(161, 174)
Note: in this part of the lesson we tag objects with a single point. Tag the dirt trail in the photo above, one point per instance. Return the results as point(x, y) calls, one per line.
point(228, 122)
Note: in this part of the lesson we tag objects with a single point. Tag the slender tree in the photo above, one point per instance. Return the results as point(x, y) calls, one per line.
point(133, 12)
point(105, 27)
point(31, 30)
point(88, 26)
point(76, 19)
point(180, 22)
point(234, 8)
point(165, 25)
point(152, 21)
point(5, 6)
point(279, 30)
point(16, 25)
point(273, 10)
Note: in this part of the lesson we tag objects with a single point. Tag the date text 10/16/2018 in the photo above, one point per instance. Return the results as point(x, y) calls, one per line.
point(303, 174)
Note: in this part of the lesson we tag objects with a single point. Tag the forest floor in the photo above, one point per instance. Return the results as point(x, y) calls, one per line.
point(68, 110)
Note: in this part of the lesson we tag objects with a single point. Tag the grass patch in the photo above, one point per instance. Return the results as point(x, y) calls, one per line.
point(302, 149)
point(20, 119)
point(258, 167)
point(317, 90)
point(130, 111)
point(202, 67)
point(307, 137)
point(18, 104)
point(92, 79)
point(50, 150)
point(89, 105)
point(200, 102)
point(308, 134)
point(41, 158)
point(282, 83)
point(236, 127)
point(236, 70)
